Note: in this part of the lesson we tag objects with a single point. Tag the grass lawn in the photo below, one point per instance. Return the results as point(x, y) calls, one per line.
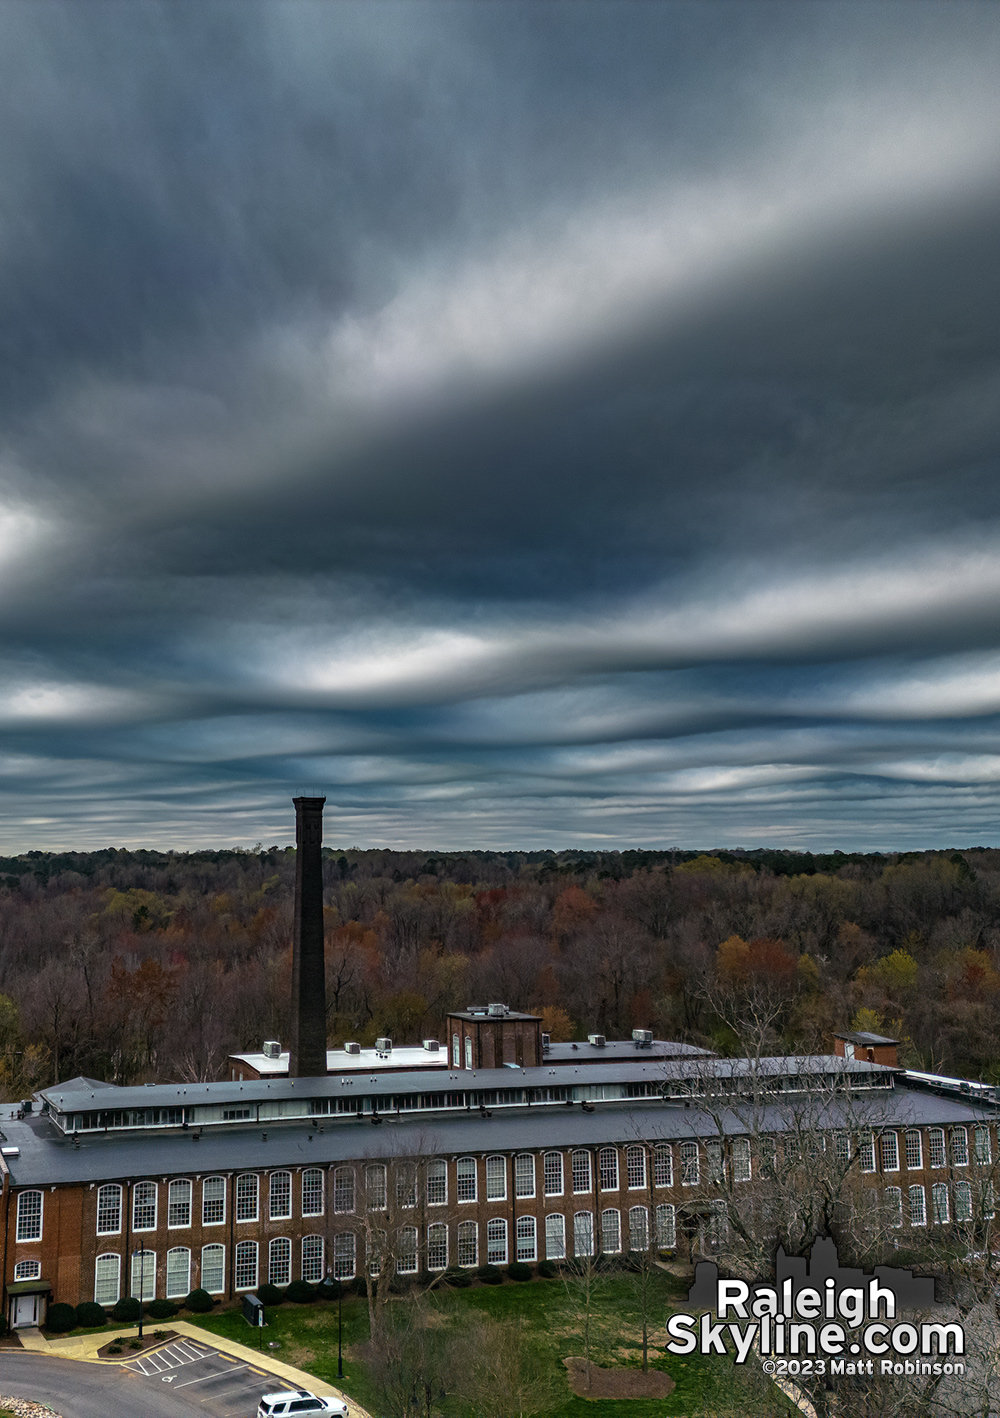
point(706, 1387)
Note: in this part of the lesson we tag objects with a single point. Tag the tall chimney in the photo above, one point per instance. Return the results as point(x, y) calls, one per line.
point(308, 1045)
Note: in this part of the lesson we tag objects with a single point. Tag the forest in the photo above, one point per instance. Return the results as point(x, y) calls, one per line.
point(142, 966)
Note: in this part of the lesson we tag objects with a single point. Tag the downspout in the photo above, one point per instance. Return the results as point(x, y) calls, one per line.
point(513, 1214)
point(6, 1223)
point(128, 1232)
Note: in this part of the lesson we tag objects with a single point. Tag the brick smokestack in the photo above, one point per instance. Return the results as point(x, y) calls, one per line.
point(308, 1044)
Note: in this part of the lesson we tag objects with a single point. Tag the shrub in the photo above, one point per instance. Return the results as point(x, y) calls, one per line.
point(200, 1301)
point(300, 1292)
point(269, 1294)
point(89, 1315)
point(459, 1278)
point(548, 1269)
point(135, 1343)
point(424, 1277)
point(127, 1309)
point(114, 1349)
point(161, 1309)
point(490, 1274)
point(60, 1318)
point(357, 1286)
point(517, 1270)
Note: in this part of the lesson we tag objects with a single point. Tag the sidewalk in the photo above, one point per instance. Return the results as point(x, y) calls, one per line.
point(84, 1349)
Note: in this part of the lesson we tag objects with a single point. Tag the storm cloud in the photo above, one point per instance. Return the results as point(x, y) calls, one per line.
point(531, 425)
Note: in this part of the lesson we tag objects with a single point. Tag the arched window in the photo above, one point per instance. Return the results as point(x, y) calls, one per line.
point(313, 1257)
point(611, 1231)
point(279, 1261)
point(109, 1210)
point(279, 1198)
point(939, 1204)
point(663, 1165)
point(213, 1203)
point(524, 1174)
point(179, 1205)
point(29, 1215)
point(689, 1164)
point(406, 1184)
point(889, 1146)
point(638, 1228)
point(918, 1207)
point(935, 1147)
point(555, 1237)
point(496, 1179)
point(582, 1181)
point(437, 1182)
point(666, 1227)
point(963, 1201)
point(437, 1246)
point(375, 1192)
point(983, 1150)
point(527, 1239)
point(312, 1192)
point(468, 1244)
point(248, 1197)
point(213, 1268)
point(552, 1173)
point(178, 1273)
point(144, 1206)
point(377, 1244)
point(246, 1265)
point(465, 1179)
point(406, 1261)
point(28, 1270)
point(893, 1199)
point(608, 1169)
point(144, 1275)
point(496, 1241)
point(741, 1159)
point(635, 1167)
point(343, 1191)
point(583, 1233)
point(959, 1147)
point(914, 1151)
point(107, 1279)
point(344, 1255)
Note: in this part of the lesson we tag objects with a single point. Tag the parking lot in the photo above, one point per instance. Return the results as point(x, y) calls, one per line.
point(219, 1385)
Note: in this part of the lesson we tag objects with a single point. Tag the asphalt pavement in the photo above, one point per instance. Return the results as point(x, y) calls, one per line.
point(186, 1379)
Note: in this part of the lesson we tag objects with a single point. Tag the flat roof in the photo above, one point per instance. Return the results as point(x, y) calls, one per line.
point(407, 1056)
point(48, 1158)
point(478, 1012)
point(624, 1048)
point(863, 1037)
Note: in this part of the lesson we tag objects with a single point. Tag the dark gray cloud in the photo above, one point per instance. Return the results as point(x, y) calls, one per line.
point(530, 424)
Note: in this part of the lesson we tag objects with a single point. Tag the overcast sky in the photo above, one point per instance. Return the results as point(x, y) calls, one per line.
point(530, 425)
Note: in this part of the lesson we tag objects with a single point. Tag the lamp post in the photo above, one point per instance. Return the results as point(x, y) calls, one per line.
point(340, 1321)
point(142, 1281)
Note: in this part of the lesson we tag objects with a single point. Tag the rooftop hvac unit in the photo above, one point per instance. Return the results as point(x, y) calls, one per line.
point(272, 1049)
point(383, 1046)
point(496, 1010)
point(598, 1040)
point(351, 1047)
point(642, 1037)
point(431, 1045)
point(545, 1042)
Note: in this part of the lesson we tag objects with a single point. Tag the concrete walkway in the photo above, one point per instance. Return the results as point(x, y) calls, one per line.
point(84, 1347)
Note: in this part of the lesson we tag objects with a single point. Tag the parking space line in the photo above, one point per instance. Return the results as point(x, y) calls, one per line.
point(222, 1374)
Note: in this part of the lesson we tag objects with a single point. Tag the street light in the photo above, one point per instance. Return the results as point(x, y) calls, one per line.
point(142, 1282)
point(340, 1322)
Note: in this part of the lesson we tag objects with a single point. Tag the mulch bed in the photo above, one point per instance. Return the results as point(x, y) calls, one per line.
point(127, 1352)
point(25, 1408)
point(616, 1383)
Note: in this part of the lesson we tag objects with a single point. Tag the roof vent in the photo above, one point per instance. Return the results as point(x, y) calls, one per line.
point(496, 1010)
point(383, 1047)
point(643, 1038)
point(10, 1152)
point(272, 1048)
point(431, 1045)
point(351, 1047)
point(545, 1043)
point(598, 1040)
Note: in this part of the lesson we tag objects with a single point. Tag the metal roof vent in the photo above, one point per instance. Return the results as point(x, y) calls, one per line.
point(431, 1045)
point(496, 1011)
point(598, 1040)
point(272, 1048)
point(351, 1047)
point(642, 1037)
point(383, 1047)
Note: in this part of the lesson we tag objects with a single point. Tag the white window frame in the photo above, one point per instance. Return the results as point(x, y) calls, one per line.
point(937, 1155)
point(247, 1265)
point(638, 1228)
point(109, 1208)
point(179, 1186)
point(663, 1165)
point(148, 1209)
point(343, 1191)
point(742, 1163)
point(279, 1260)
point(28, 1270)
point(30, 1215)
point(866, 1152)
point(690, 1159)
point(666, 1226)
point(635, 1167)
point(583, 1233)
point(582, 1173)
point(918, 1217)
point(892, 1199)
point(313, 1258)
point(173, 1292)
point(940, 1211)
point(279, 1188)
point(468, 1244)
point(611, 1230)
point(526, 1239)
point(437, 1182)
point(496, 1240)
point(312, 1191)
point(607, 1169)
point(408, 1260)
point(552, 1174)
point(437, 1246)
point(247, 1198)
point(982, 1146)
point(107, 1286)
point(345, 1255)
point(143, 1273)
point(376, 1187)
point(963, 1202)
point(914, 1150)
point(524, 1175)
point(213, 1201)
point(555, 1236)
point(959, 1146)
point(496, 1178)
point(217, 1261)
point(889, 1152)
point(466, 1180)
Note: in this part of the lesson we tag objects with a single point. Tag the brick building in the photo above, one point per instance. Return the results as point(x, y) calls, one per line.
point(161, 1189)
